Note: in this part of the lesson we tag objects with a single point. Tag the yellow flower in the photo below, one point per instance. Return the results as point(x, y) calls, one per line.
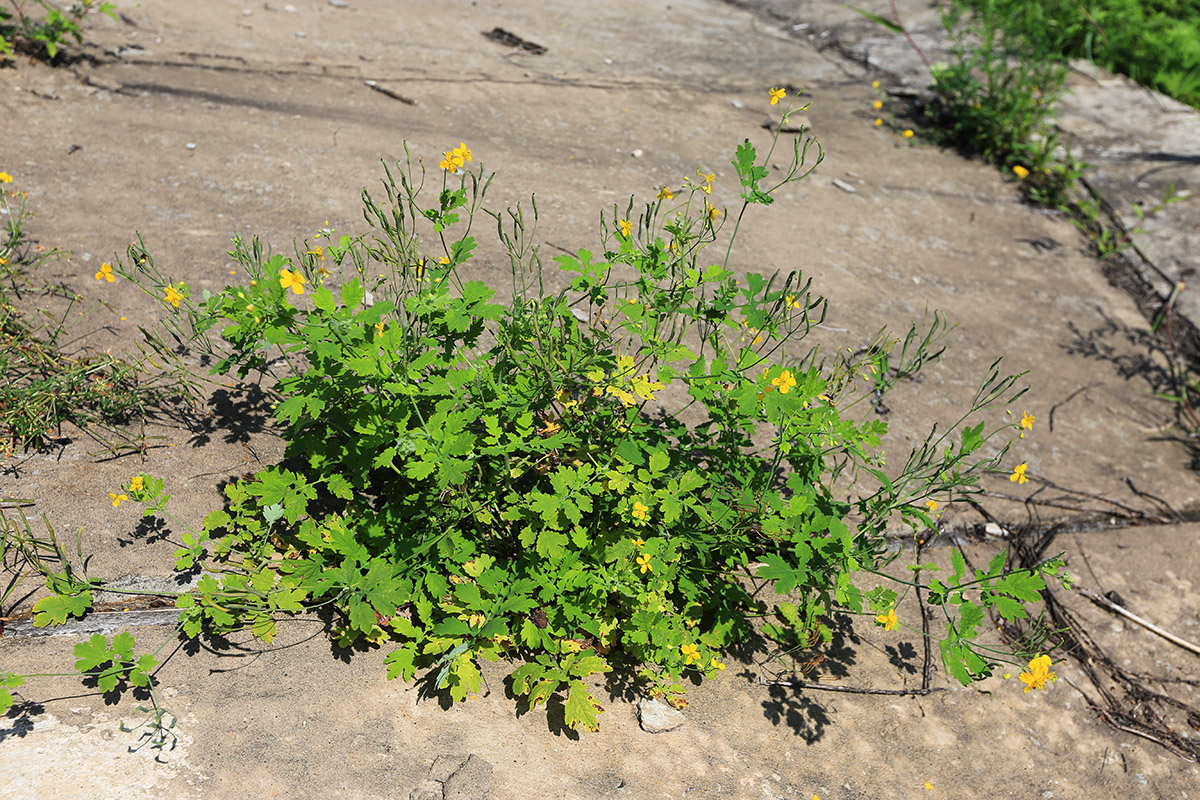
point(888, 620)
point(1039, 674)
point(318, 251)
point(1020, 172)
point(665, 194)
point(173, 296)
point(638, 542)
point(639, 510)
point(443, 260)
point(690, 653)
point(717, 665)
point(3, 261)
point(117, 498)
point(5, 177)
point(1027, 420)
point(784, 382)
point(105, 273)
point(878, 104)
point(453, 159)
point(462, 152)
point(874, 84)
point(644, 562)
point(625, 226)
point(708, 178)
point(713, 211)
point(292, 280)
point(1018, 475)
point(379, 329)
point(932, 505)
point(1006, 675)
point(908, 134)
point(792, 302)
point(878, 122)
point(136, 483)
point(928, 786)
point(776, 95)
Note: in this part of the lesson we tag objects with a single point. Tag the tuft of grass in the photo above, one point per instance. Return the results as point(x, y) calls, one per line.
point(45, 386)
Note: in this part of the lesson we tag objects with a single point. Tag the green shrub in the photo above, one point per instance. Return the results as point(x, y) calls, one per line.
point(576, 481)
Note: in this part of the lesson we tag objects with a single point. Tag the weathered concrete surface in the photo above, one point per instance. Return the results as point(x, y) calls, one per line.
point(286, 133)
point(1138, 143)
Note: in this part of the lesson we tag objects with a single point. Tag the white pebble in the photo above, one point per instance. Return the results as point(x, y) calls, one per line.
point(190, 145)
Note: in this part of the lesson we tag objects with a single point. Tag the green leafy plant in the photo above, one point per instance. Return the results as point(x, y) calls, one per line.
point(996, 98)
point(40, 28)
point(1154, 42)
point(575, 481)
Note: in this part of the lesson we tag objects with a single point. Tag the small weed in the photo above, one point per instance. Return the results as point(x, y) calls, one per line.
point(40, 29)
point(45, 387)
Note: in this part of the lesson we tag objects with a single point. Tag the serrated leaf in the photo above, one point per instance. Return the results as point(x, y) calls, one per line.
point(588, 665)
point(524, 676)
point(959, 563)
point(55, 609)
point(1025, 586)
point(401, 663)
point(92, 653)
point(581, 708)
point(323, 299)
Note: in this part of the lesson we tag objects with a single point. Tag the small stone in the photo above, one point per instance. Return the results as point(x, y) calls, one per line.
point(289, 9)
point(426, 790)
point(608, 61)
point(656, 716)
point(472, 781)
point(845, 187)
point(190, 145)
point(637, 153)
point(736, 104)
point(339, 3)
point(992, 529)
point(300, 34)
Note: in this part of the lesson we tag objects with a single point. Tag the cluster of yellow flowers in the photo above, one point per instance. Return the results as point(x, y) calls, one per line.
point(172, 295)
point(455, 159)
point(136, 484)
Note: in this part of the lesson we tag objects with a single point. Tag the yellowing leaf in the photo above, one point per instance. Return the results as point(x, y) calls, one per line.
point(581, 708)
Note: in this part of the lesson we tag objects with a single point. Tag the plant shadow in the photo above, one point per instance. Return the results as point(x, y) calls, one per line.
point(236, 413)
